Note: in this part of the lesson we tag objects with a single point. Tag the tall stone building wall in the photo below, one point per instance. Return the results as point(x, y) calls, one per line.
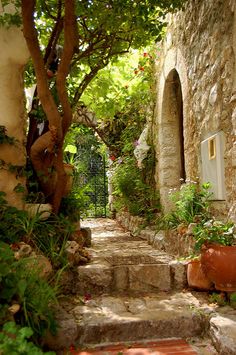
point(196, 101)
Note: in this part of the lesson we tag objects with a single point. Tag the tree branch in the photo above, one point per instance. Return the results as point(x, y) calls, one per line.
point(64, 66)
point(30, 34)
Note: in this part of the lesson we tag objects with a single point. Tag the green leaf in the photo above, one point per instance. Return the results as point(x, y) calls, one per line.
point(21, 285)
point(71, 148)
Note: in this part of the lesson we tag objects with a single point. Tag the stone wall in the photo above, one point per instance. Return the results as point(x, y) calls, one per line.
point(13, 56)
point(198, 54)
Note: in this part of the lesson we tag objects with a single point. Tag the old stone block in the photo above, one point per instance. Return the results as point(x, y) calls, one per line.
point(223, 333)
point(94, 278)
point(178, 274)
point(149, 277)
point(147, 234)
point(121, 281)
point(124, 219)
point(67, 332)
point(135, 224)
point(159, 240)
point(87, 234)
point(234, 155)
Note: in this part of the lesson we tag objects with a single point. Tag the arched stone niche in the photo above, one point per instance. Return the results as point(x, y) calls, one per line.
point(13, 56)
point(171, 114)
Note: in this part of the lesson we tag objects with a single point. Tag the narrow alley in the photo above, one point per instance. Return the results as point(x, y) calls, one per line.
point(131, 299)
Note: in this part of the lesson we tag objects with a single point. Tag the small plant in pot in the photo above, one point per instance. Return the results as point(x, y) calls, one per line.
point(217, 242)
point(190, 207)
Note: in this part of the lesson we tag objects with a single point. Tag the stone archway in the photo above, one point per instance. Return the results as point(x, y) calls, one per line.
point(171, 116)
point(171, 138)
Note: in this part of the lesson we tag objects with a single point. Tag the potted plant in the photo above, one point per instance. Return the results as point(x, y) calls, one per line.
point(196, 276)
point(216, 241)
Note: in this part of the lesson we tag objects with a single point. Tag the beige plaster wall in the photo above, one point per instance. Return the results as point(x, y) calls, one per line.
point(201, 46)
point(13, 56)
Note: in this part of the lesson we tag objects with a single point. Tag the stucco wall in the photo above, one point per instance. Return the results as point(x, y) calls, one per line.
point(200, 45)
point(13, 56)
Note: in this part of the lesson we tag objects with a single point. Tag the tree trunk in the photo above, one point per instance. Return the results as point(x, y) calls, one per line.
point(46, 152)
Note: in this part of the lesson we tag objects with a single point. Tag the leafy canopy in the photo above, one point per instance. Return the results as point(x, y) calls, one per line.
point(105, 30)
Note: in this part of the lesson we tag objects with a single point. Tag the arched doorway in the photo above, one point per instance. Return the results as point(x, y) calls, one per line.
point(171, 138)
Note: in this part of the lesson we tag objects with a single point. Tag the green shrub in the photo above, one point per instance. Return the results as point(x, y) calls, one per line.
point(214, 231)
point(73, 205)
point(14, 340)
point(50, 238)
point(21, 284)
point(10, 217)
point(191, 204)
point(131, 190)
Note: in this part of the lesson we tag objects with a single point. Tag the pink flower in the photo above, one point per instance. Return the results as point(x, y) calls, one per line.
point(112, 157)
point(72, 349)
point(87, 297)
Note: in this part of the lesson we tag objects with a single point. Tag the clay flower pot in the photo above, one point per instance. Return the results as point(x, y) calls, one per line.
point(219, 264)
point(196, 277)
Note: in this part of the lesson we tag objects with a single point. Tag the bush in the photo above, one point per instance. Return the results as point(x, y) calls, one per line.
point(14, 341)
point(191, 204)
point(131, 190)
point(10, 227)
point(21, 285)
point(214, 231)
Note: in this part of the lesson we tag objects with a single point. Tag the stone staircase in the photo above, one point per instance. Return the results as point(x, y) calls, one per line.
point(131, 292)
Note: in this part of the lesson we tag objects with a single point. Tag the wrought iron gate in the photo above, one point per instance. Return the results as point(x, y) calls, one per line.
point(98, 185)
point(93, 178)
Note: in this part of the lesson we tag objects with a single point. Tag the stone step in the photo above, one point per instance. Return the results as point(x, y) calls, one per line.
point(110, 319)
point(121, 263)
point(97, 321)
point(222, 330)
point(132, 275)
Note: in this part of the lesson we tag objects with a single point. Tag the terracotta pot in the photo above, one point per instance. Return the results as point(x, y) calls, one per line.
point(196, 277)
point(219, 264)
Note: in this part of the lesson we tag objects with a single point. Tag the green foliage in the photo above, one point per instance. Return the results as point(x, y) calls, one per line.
point(214, 231)
point(131, 190)
point(191, 204)
point(4, 138)
point(14, 340)
point(48, 236)
point(122, 98)
point(87, 155)
point(10, 221)
point(122, 83)
point(105, 31)
point(73, 205)
point(218, 298)
point(10, 18)
point(21, 284)
point(232, 300)
point(223, 299)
